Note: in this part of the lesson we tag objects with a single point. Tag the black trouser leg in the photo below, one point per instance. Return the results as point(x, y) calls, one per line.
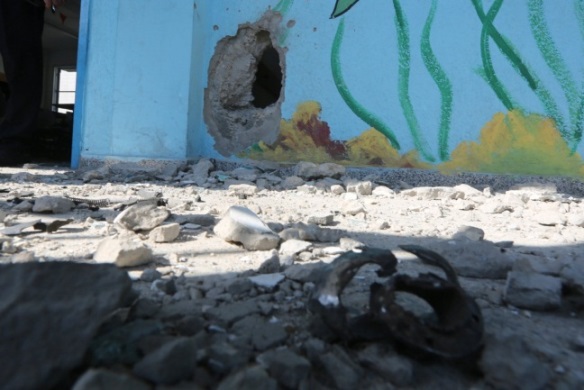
point(21, 28)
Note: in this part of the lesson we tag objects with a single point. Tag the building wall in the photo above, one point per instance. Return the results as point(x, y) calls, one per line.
point(483, 86)
point(136, 92)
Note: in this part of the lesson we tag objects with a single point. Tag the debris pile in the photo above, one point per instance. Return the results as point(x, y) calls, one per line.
point(189, 276)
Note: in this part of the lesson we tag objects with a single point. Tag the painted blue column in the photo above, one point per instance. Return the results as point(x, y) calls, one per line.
point(136, 90)
point(82, 52)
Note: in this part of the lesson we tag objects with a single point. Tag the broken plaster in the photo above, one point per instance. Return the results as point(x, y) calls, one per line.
point(234, 118)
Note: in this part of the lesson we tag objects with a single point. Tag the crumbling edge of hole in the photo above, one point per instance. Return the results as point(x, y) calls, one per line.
point(230, 115)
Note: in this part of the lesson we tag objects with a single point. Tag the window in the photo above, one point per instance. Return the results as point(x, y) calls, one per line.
point(65, 85)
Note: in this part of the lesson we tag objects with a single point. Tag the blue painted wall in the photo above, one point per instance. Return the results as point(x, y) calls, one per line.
point(138, 79)
point(147, 68)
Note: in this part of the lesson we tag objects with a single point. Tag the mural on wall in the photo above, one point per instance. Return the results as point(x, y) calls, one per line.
point(518, 140)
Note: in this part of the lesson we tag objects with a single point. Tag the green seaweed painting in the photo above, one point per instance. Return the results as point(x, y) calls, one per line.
point(357, 108)
point(540, 31)
point(571, 129)
point(432, 65)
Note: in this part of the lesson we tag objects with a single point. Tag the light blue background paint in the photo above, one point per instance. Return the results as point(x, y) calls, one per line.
point(147, 68)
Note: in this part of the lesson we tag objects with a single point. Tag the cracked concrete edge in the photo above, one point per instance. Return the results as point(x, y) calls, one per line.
point(388, 176)
point(233, 121)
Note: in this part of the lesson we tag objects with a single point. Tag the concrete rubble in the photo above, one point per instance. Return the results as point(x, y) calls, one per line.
point(200, 275)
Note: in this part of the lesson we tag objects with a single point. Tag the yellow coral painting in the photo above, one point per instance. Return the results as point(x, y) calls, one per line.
point(373, 148)
point(306, 137)
point(517, 143)
point(512, 143)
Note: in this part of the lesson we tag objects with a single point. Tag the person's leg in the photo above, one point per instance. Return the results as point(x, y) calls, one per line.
point(21, 27)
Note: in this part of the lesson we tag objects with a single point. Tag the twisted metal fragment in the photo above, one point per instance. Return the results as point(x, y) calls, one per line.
point(326, 298)
point(455, 332)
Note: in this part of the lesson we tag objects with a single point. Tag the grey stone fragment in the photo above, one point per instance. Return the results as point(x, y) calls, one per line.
point(223, 357)
point(504, 244)
point(350, 196)
point(176, 310)
point(469, 232)
point(123, 252)
point(242, 173)
point(321, 219)
point(173, 362)
point(100, 379)
point(576, 219)
point(508, 363)
point(167, 286)
point(244, 189)
point(572, 275)
point(286, 261)
point(142, 216)
point(22, 257)
point(149, 275)
point(196, 219)
point(241, 225)
point(201, 171)
point(262, 334)
point(271, 264)
point(331, 170)
point(535, 191)
point(570, 380)
point(52, 204)
point(292, 247)
point(340, 369)
point(170, 170)
point(308, 170)
point(313, 348)
point(337, 189)
point(304, 273)
point(349, 244)
point(495, 206)
point(353, 208)
point(310, 232)
point(383, 192)
point(475, 259)
point(267, 281)
point(538, 264)
point(97, 174)
point(467, 191)
point(24, 206)
point(362, 188)
point(430, 193)
point(165, 233)
point(120, 345)
point(238, 286)
point(578, 343)
point(533, 291)
point(144, 308)
point(287, 367)
point(227, 314)
point(189, 325)
point(292, 182)
point(253, 377)
point(22, 177)
point(389, 365)
point(67, 301)
point(549, 216)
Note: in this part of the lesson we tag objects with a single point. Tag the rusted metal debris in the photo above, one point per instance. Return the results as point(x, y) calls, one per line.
point(454, 332)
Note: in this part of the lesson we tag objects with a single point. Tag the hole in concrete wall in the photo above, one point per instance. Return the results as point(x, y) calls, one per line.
point(267, 85)
point(246, 86)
